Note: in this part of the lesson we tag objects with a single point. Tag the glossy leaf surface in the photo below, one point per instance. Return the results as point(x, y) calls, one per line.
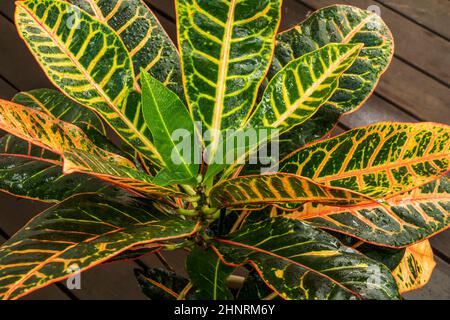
point(208, 274)
point(379, 160)
point(278, 189)
point(226, 48)
point(400, 221)
point(92, 67)
point(300, 262)
point(61, 107)
point(127, 178)
point(50, 133)
point(35, 173)
point(83, 231)
point(31, 172)
point(345, 25)
point(158, 284)
point(416, 268)
point(149, 46)
point(168, 118)
point(298, 91)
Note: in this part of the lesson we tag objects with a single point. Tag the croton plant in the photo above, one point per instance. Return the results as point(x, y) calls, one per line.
point(343, 217)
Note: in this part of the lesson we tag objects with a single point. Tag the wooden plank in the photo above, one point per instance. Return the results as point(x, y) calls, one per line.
point(432, 14)
point(16, 63)
point(15, 212)
point(6, 90)
point(7, 8)
point(440, 243)
point(415, 92)
point(48, 293)
point(166, 6)
point(113, 281)
point(413, 43)
point(408, 87)
point(438, 288)
point(375, 110)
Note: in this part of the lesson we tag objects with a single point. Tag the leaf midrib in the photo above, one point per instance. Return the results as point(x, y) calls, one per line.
point(129, 124)
point(42, 264)
point(314, 87)
point(256, 249)
point(223, 71)
point(167, 131)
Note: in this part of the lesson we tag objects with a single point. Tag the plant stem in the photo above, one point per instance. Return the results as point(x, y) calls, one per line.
point(188, 213)
point(271, 296)
point(185, 291)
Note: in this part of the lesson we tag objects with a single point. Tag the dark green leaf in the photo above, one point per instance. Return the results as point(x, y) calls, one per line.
point(82, 231)
point(336, 24)
point(158, 284)
point(301, 262)
point(32, 172)
point(208, 275)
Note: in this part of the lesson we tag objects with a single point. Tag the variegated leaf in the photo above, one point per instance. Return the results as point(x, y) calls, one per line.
point(300, 262)
point(56, 104)
point(208, 275)
point(80, 233)
point(92, 67)
point(50, 133)
point(345, 25)
point(124, 177)
point(61, 107)
point(298, 91)
point(149, 45)
point(336, 24)
point(379, 160)
point(398, 222)
point(278, 189)
point(416, 268)
point(31, 172)
point(35, 173)
point(226, 48)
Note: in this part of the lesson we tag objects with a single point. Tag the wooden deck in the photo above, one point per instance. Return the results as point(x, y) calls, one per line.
point(416, 88)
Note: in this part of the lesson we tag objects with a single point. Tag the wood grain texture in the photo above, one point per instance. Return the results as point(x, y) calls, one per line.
point(432, 14)
point(413, 43)
point(415, 92)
